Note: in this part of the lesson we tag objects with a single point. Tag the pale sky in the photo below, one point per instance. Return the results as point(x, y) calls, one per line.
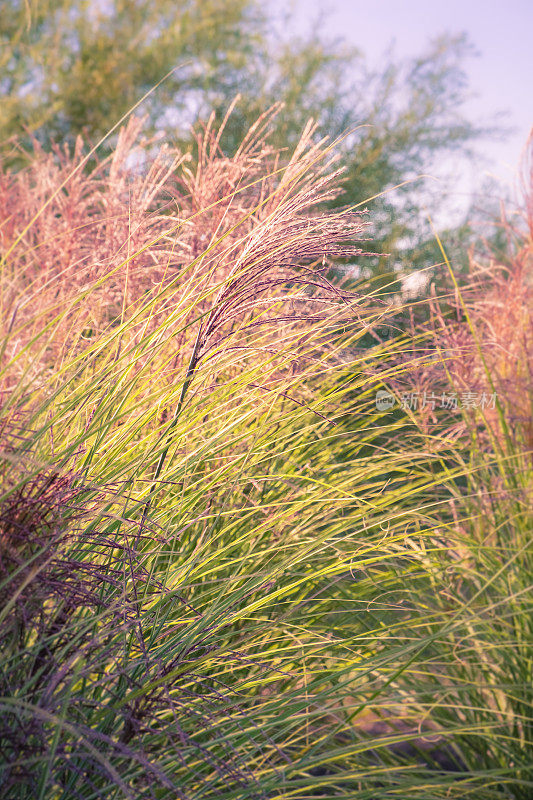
point(501, 31)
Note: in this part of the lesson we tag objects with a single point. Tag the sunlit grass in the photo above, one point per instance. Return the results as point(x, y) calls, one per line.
point(225, 573)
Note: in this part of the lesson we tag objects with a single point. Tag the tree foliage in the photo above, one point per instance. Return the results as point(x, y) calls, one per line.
point(77, 66)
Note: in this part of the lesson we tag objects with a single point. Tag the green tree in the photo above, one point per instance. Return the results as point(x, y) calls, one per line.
point(72, 66)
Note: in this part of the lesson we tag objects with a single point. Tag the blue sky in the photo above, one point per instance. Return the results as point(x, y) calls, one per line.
point(501, 75)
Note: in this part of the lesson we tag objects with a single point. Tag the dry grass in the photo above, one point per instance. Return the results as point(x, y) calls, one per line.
point(231, 576)
point(478, 344)
point(83, 250)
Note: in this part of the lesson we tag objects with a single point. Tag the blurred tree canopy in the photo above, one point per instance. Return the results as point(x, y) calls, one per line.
point(77, 66)
point(73, 66)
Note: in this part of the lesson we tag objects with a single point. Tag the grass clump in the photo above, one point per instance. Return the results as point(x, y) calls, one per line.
point(224, 572)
